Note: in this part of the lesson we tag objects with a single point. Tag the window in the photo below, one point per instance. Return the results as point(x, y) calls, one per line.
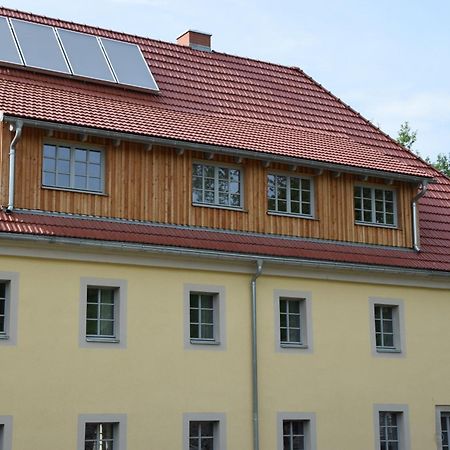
point(100, 314)
point(290, 195)
point(296, 431)
point(8, 307)
point(216, 185)
point(293, 320)
point(375, 206)
point(99, 436)
point(102, 432)
point(204, 431)
point(6, 432)
point(391, 422)
point(204, 316)
point(387, 326)
point(443, 427)
point(103, 310)
point(72, 167)
point(201, 435)
point(2, 308)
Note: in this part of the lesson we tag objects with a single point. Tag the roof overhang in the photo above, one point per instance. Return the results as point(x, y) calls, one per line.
point(207, 148)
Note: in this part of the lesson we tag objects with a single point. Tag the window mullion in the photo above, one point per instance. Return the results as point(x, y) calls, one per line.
point(288, 193)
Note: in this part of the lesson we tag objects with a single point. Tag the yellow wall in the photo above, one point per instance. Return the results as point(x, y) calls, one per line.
point(47, 380)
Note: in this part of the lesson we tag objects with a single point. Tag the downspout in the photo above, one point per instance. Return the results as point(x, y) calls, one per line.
point(12, 164)
point(255, 406)
point(415, 223)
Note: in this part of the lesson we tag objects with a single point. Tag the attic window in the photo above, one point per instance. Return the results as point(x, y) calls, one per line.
point(42, 47)
point(376, 206)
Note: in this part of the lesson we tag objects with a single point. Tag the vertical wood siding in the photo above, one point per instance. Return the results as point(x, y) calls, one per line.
point(156, 186)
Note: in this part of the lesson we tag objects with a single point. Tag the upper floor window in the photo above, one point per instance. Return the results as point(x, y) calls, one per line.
point(289, 194)
point(375, 206)
point(72, 167)
point(216, 185)
point(8, 308)
point(2, 308)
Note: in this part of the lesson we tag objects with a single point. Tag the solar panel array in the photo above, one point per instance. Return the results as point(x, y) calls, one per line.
point(72, 53)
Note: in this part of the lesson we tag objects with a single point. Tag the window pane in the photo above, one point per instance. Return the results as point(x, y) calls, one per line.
point(80, 155)
point(62, 180)
point(94, 184)
point(294, 335)
point(49, 179)
point(107, 311)
point(49, 151)
point(80, 182)
point(106, 328)
point(207, 301)
point(49, 165)
point(95, 157)
point(207, 316)
point(195, 332)
point(64, 153)
point(91, 327)
point(194, 299)
point(207, 332)
point(194, 315)
point(92, 311)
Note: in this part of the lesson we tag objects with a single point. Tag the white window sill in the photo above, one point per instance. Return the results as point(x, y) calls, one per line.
point(388, 350)
point(214, 206)
point(102, 339)
point(288, 345)
point(286, 214)
point(204, 342)
point(4, 336)
point(378, 225)
point(78, 191)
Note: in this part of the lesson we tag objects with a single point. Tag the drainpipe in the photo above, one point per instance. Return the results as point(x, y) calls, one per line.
point(259, 266)
point(12, 164)
point(415, 223)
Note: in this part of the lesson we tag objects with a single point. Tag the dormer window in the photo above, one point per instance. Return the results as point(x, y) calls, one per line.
point(216, 185)
point(72, 167)
point(375, 206)
point(289, 195)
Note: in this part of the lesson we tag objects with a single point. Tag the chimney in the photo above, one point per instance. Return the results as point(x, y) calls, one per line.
point(196, 40)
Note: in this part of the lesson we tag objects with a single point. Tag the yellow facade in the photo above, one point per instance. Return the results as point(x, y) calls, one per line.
point(48, 380)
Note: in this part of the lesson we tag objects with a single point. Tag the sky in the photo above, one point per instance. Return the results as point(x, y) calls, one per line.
point(388, 59)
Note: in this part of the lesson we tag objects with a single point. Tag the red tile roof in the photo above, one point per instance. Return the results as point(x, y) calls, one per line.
point(46, 225)
point(218, 99)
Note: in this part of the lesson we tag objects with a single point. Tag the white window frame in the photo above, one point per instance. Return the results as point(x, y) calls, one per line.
point(219, 420)
point(441, 410)
point(72, 147)
point(306, 336)
point(217, 166)
point(11, 280)
point(399, 349)
point(120, 323)
point(120, 428)
point(402, 413)
point(373, 221)
point(219, 341)
point(6, 424)
point(309, 427)
point(288, 212)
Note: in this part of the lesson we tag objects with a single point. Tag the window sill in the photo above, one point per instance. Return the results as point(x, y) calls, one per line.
point(297, 216)
point(377, 225)
point(4, 336)
point(203, 342)
point(229, 208)
point(286, 345)
point(388, 350)
point(103, 340)
point(77, 191)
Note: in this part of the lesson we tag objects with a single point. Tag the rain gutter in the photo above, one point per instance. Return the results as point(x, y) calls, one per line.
point(17, 127)
point(195, 146)
point(415, 221)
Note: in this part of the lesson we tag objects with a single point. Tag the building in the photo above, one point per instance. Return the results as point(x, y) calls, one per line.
point(212, 253)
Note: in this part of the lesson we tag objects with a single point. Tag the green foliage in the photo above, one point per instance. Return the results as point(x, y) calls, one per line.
point(406, 136)
point(443, 163)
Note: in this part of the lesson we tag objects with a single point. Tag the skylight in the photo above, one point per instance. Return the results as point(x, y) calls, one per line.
point(68, 52)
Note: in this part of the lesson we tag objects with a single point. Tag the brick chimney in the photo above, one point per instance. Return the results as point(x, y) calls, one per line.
point(196, 40)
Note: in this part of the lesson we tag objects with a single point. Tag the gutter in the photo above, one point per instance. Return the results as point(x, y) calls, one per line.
point(99, 245)
point(255, 399)
point(12, 163)
point(196, 146)
point(415, 221)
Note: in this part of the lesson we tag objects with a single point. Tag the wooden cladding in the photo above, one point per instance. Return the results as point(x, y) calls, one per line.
point(156, 185)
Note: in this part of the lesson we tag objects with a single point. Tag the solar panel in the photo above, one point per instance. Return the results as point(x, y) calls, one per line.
point(86, 57)
point(39, 45)
point(128, 64)
point(69, 52)
point(8, 49)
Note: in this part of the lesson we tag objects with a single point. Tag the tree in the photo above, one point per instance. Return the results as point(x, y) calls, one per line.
point(443, 163)
point(406, 136)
